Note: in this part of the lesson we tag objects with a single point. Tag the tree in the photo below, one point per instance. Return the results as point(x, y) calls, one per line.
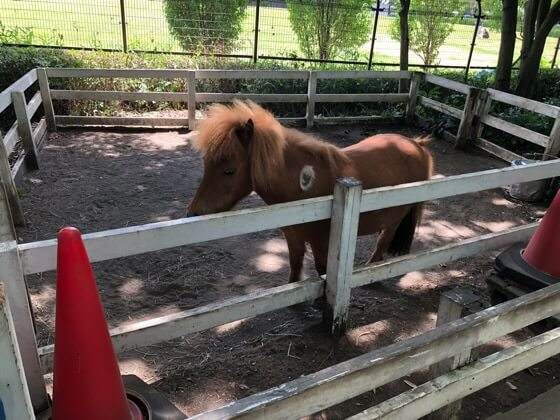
point(210, 26)
point(405, 41)
point(507, 44)
point(325, 28)
point(430, 23)
point(540, 17)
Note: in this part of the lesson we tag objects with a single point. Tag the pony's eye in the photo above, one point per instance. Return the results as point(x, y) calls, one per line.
point(229, 171)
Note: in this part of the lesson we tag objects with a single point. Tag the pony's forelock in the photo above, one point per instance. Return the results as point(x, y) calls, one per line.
point(216, 137)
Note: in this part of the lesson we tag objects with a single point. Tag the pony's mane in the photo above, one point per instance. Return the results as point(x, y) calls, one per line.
point(216, 137)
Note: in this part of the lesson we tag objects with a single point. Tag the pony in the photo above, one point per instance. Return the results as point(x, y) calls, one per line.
point(246, 149)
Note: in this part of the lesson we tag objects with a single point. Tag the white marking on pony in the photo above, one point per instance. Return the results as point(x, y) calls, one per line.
point(306, 177)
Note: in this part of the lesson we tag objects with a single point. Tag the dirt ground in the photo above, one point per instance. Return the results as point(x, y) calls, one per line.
point(103, 180)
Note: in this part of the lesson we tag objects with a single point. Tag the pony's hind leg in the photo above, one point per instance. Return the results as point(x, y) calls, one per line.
point(296, 249)
point(383, 242)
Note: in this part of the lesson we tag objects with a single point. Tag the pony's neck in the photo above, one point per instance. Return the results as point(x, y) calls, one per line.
point(283, 182)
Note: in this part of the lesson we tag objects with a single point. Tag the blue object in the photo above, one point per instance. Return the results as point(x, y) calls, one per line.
point(2, 414)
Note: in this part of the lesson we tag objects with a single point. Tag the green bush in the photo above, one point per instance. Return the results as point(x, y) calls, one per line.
point(325, 28)
point(210, 26)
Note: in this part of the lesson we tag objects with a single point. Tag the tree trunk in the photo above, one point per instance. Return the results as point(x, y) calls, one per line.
point(530, 67)
point(529, 20)
point(507, 44)
point(405, 41)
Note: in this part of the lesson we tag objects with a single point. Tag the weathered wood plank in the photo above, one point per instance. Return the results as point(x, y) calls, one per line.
point(311, 94)
point(191, 102)
point(103, 95)
point(25, 130)
point(415, 81)
point(34, 104)
point(446, 83)
point(14, 393)
point(252, 74)
point(460, 383)
point(360, 97)
point(67, 120)
point(424, 259)
point(47, 100)
point(516, 130)
point(525, 103)
point(553, 146)
point(384, 197)
point(19, 85)
point(496, 150)
point(11, 138)
point(361, 74)
point(118, 73)
point(8, 187)
point(255, 97)
point(465, 129)
point(342, 246)
point(41, 256)
point(39, 132)
point(441, 107)
point(168, 327)
point(315, 392)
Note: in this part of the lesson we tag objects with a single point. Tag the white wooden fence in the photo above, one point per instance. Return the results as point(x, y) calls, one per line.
point(343, 208)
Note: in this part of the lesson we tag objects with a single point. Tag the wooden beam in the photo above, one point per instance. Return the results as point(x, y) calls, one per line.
point(463, 382)
point(553, 146)
point(34, 104)
point(191, 101)
point(25, 130)
point(424, 259)
point(360, 74)
point(416, 79)
point(465, 130)
point(103, 95)
point(20, 85)
point(8, 186)
point(311, 94)
point(47, 100)
point(361, 97)
point(168, 327)
point(495, 150)
point(67, 120)
point(342, 246)
point(448, 84)
point(14, 393)
point(252, 74)
point(441, 107)
point(525, 103)
point(328, 387)
point(11, 138)
point(255, 97)
point(516, 130)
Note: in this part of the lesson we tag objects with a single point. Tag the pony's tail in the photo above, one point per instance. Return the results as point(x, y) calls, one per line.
point(402, 241)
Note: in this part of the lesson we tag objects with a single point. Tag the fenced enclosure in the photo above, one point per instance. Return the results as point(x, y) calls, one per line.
point(343, 208)
point(265, 30)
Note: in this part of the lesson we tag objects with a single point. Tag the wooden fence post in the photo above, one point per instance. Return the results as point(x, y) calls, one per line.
point(14, 393)
point(11, 274)
point(481, 110)
point(9, 186)
point(191, 101)
point(415, 80)
point(342, 246)
point(453, 305)
point(25, 131)
point(464, 132)
point(46, 97)
point(553, 146)
point(311, 90)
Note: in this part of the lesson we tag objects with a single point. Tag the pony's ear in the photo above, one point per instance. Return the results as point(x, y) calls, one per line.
point(245, 133)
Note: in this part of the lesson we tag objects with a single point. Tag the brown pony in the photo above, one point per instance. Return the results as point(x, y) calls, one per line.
point(246, 149)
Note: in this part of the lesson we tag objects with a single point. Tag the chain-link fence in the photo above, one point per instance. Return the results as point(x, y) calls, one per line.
point(448, 33)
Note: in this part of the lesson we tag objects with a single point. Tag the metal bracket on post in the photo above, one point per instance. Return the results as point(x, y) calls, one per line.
point(464, 132)
point(11, 274)
point(453, 304)
point(46, 98)
point(311, 90)
point(191, 100)
point(25, 130)
point(342, 246)
point(415, 80)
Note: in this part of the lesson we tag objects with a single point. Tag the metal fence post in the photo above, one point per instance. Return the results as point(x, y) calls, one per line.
point(453, 305)
point(11, 274)
point(14, 393)
point(311, 90)
point(123, 27)
point(25, 130)
point(256, 41)
point(374, 32)
point(555, 53)
point(476, 26)
point(342, 246)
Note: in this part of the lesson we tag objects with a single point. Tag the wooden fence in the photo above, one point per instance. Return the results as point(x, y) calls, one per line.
point(343, 208)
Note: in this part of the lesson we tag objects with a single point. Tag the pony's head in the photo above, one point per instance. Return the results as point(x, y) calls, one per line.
point(242, 145)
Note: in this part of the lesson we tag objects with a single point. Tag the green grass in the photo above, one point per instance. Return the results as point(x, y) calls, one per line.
point(96, 23)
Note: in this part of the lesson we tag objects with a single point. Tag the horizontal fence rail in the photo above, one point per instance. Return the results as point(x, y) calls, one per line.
point(328, 387)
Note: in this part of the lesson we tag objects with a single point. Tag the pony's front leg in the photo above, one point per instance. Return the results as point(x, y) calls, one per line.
point(296, 249)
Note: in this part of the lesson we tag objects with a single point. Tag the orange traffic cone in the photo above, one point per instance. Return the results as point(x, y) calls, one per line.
point(543, 250)
point(87, 381)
